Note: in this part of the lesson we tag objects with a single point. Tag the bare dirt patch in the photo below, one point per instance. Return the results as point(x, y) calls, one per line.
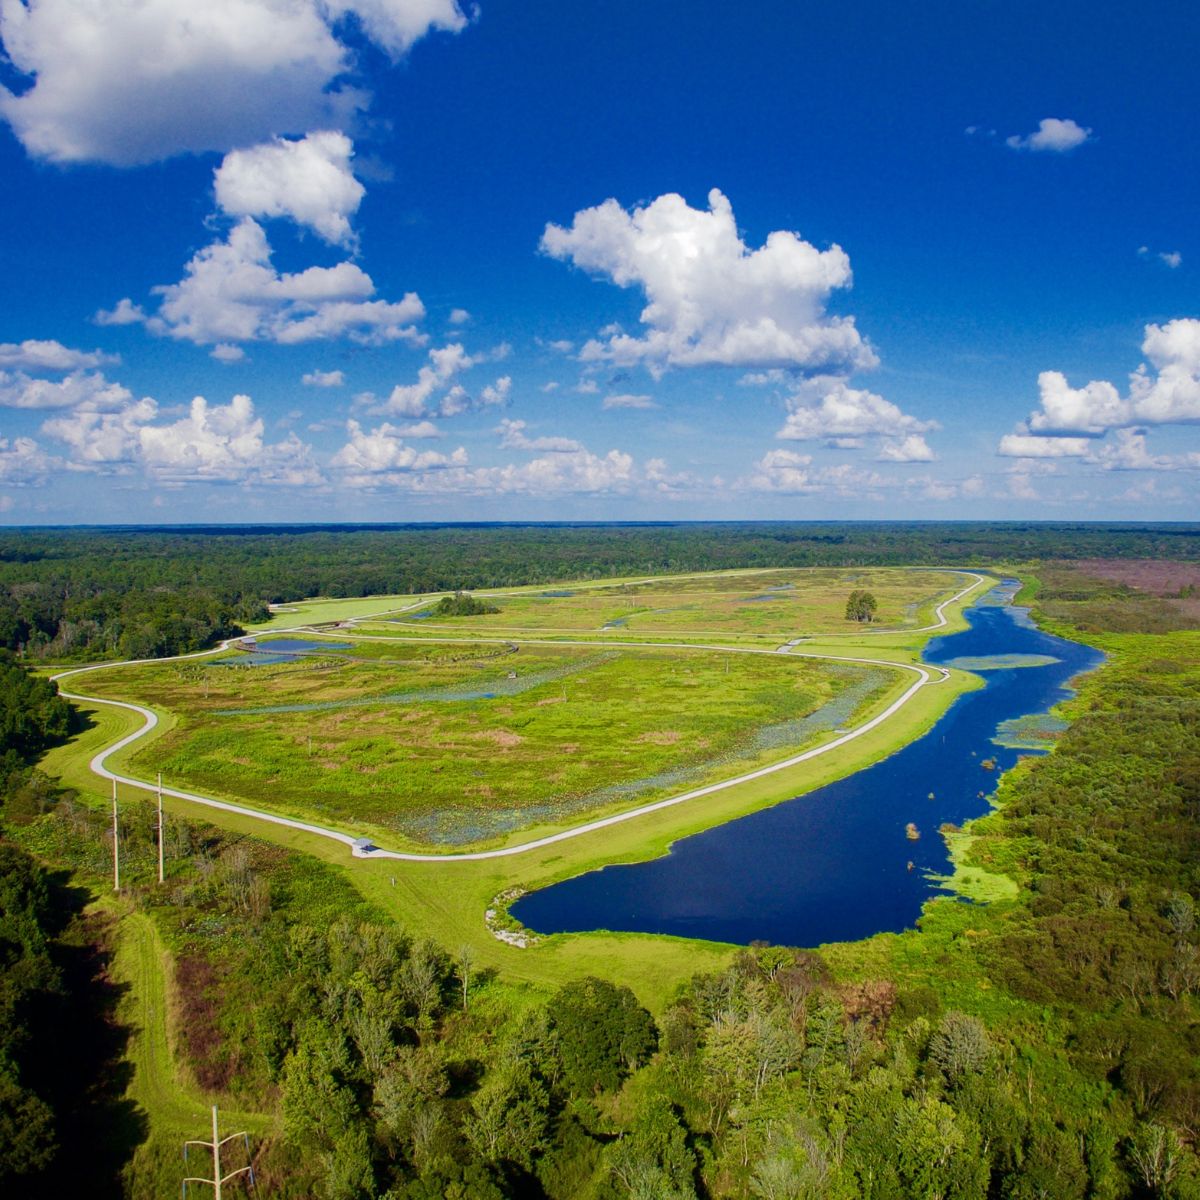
point(661, 737)
point(498, 737)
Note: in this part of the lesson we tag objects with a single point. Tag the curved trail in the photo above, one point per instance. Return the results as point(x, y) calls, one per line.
point(926, 677)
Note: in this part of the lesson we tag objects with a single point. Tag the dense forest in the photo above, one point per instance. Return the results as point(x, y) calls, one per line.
point(1044, 1047)
point(140, 593)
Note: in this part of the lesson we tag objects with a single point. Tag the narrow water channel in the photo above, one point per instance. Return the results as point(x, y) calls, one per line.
point(834, 864)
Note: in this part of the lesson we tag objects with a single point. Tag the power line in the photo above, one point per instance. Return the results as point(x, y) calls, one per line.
point(218, 1181)
point(160, 829)
point(116, 844)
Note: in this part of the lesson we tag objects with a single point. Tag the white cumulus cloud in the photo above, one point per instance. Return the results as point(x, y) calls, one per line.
point(231, 292)
point(49, 355)
point(496, 395)
point(23, 463)
point(1024, 445)
point(712, 299)
point(436, 392)
point(1170, 393)
point(420, 429)
point(395, 25)
point(381, 460)
point(103, 440)
point(212, 443)
point(379, 457)
point(78, 389)
point(308, 181)
point(579, 472)
point(413, 399)
point(133, 81)
point(788, 472)
point(783, 471)
point(1091, 409)
point(1165, 390)
point(513, 437)
point(323, 379)
point(911, 448)
point(1054, 135)
point(224, 443)
point(1129, 452)
point(829, 408)
point(124, 312)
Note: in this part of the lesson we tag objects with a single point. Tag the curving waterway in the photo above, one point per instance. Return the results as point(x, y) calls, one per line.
point(834, 864)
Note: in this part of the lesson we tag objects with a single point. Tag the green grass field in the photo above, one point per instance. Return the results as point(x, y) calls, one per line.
point(450, 749)
point(733, 604)
point(446, 900)
point(767, 604)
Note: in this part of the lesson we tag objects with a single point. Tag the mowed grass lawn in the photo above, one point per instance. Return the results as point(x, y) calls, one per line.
point(452, 746)
point(795, 603)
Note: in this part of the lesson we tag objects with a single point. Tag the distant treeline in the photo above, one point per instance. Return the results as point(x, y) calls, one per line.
point(91, 593)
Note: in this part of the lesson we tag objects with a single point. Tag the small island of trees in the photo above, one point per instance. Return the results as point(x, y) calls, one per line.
point(861, 606)
point(463, 604)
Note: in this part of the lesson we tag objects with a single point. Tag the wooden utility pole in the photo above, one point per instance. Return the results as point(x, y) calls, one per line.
point(160, 830)
point(218, 1181)
point(116, 844)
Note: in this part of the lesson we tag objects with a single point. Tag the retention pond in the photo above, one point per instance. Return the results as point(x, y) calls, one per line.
point(840, 863)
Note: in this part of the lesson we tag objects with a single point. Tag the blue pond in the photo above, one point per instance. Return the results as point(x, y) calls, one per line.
point(833, 865)
point(278, 650)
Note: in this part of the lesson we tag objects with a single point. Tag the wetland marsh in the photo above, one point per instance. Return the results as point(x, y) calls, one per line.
point(460, 741)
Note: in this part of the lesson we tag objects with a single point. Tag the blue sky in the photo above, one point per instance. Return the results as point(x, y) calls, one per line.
point(412, 259)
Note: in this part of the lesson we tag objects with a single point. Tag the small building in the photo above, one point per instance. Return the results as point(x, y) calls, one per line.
point(363, 846)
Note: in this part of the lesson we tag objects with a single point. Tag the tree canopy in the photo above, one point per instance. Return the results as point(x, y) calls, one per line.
point(463, 604)
point(603, 1034)
point(861, 606)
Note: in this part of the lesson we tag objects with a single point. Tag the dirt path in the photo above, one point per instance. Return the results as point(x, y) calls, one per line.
point(142, 962)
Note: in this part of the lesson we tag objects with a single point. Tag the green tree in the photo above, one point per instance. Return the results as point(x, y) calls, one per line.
point(319, 1104)
point(463, 604)
point(861, 606)
point(407, 1095)
point(28, 978)
point(652, 1161)
point(1157, 1156)
point(32, 714)
point(603, 1033)
point(27, 1143)
point(509, 1117)
point(939, 1152)
point(960, 1045)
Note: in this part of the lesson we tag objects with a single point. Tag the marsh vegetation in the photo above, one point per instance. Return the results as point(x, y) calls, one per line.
point(444, 744)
